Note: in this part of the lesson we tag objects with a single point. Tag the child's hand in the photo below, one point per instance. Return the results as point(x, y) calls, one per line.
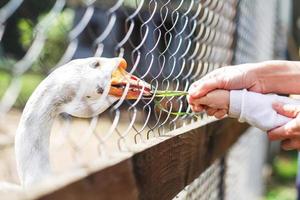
point(216, 103)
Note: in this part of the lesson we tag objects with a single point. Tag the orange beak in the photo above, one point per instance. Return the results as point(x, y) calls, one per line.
point(120, 78)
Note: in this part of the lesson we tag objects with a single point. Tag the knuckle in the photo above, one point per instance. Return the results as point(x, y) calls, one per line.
point(210, 113)
point(224, 82)
point(289, 131)
point(219, 115)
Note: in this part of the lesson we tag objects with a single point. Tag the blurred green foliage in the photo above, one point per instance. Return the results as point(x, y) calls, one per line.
point(29, 83)
point(281, 185)
point(25, 26)
point(6, 63)
point(285, 169)
point(55, 45)
point(281, 193)
point(29, 10)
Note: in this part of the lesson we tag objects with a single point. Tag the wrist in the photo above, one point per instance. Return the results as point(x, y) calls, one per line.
point(250, 76)
point(275, 77)
point(235, 103)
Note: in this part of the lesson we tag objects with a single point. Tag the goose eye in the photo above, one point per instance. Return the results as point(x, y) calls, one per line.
point(100, 90)
point(96, 64)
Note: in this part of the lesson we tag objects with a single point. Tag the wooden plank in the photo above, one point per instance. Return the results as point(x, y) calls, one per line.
point(161, 171)
point(115, 182)
point(165, 169)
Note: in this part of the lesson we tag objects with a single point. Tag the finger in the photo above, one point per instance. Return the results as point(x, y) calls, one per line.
point(195, 84)
point(193, 87)
point(204, 87)
point(195, 103)
point(287, 110)
point(278, 134)
point(197, 108)
point(206, 100)
point(293, 126)
point(218, 99)
point(290, 144)
point(190, 100)
point(211, 111)
point(193, 108)
point(291, 129)
point(202, 101)
point(220, 114)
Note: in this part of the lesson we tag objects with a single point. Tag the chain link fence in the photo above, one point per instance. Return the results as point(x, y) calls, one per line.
point(169, 44)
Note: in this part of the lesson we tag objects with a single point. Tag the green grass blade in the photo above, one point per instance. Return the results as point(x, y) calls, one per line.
point(168, 93)
point(157, 103)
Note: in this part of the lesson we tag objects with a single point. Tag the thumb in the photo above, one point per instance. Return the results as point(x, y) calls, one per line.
point(287, 110)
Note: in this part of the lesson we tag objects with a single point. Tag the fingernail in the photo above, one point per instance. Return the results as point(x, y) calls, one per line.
point(199, 108)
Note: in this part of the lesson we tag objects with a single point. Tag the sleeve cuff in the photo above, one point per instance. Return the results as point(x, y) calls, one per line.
point(235, 103)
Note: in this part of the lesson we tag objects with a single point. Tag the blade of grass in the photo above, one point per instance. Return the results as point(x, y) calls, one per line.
point(157, 103)
point(168, 93)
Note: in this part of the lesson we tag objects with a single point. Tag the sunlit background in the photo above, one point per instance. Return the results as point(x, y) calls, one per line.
point(19, 33)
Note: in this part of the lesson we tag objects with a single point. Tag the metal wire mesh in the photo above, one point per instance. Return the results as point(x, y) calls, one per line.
point(169, 44)
point(245, 172)
point(206, 186)
point(245, 162)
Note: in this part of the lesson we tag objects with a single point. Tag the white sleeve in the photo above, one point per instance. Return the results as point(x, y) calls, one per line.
point(256, 109)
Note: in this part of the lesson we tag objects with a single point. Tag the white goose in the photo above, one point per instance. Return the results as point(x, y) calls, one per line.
point(82, 88)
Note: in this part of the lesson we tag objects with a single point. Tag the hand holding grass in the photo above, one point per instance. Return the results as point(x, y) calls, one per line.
point(216, 103)
point(282, 77)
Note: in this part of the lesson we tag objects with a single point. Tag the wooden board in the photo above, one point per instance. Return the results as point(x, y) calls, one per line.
point(164, 170)
point(115, 182)
point(161, 171)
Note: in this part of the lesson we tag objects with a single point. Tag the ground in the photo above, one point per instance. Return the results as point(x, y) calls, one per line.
point(72, 143)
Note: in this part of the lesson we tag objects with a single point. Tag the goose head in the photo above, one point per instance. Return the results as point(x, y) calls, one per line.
point(93, 84)
point(82, 88)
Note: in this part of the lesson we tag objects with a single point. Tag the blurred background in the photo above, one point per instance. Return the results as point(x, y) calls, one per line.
point(21, 29)
point(283, 166)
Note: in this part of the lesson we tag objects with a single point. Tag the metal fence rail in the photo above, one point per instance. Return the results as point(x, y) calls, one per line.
point(169, 44)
